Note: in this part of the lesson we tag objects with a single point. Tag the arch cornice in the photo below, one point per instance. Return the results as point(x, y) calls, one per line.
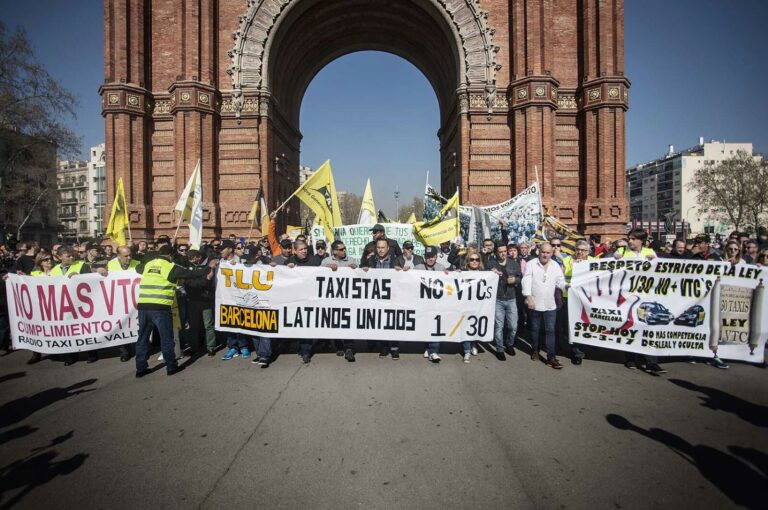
point(464, 18)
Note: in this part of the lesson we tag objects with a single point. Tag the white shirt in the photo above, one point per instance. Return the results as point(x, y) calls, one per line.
point(540, 282)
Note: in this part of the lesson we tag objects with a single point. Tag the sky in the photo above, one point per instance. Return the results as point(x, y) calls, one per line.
point(697, 68)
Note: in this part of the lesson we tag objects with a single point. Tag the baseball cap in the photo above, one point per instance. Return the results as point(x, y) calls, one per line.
point(320, 244)
point(250, 252)
point(408, 245)
point(430, 251)
point(377, 228)
point(226, 243)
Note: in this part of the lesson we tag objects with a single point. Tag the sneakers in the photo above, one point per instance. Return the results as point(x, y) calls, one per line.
point(395, 354)
point(434, 358)
point(467, 356)
point(349, 355)
point(245, 353)
point(654, 368)
point(231, 353)
point(473, 352)
point(426, 354)
point(384, 353)
point(263, 363)
point(630, 364)
point(718, 363)
point(306, 358)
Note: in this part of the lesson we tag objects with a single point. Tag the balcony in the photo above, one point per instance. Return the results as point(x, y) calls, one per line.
point(67, 201)
point(67, 216)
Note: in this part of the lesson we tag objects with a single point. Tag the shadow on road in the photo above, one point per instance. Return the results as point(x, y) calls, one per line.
point(19, 409)
point(18, 432)
point(735, 478)
point(9, 377)
point(721, 401)
point(35, 470)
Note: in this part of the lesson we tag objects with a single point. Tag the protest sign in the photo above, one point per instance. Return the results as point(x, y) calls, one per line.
point(355, 237)
point(352, 304)
point(57, 315)
point(520, 214)
point(669, 308)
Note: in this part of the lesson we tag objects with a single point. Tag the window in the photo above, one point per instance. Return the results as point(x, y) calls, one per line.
point(83, 225)
point(83, 209)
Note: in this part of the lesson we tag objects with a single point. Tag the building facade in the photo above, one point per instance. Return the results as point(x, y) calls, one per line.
point(658, 190)
point(73, 186)
point(97, 196)
point(526, 89)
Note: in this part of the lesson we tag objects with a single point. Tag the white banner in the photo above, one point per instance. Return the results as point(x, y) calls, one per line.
point(56, 315)
point(355, 237)
point(380, 304)
point(521, 215)
point(669, 307)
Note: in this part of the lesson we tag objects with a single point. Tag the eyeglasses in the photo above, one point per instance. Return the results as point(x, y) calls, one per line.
point(182, 250)
point(474, 259)
point(343, 248)
point(733, 248)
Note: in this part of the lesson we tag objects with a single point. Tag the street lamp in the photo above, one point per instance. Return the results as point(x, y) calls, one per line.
point(397, 204)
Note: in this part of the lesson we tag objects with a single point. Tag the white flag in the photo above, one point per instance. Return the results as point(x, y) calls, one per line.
point(190, 206)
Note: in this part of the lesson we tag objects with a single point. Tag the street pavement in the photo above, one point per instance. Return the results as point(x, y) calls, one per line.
point(383, 434)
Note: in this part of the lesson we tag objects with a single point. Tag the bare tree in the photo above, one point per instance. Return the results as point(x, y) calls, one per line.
point(350, 207)
point(33, 111)
point(416, 206)
point(733, 190)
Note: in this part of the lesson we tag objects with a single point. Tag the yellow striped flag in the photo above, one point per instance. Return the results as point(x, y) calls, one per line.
point(118, 219)
point(319, 193)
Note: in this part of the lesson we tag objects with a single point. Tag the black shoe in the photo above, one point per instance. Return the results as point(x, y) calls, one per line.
point(631, 364)
point(339, 353)
point(384, 353)
point(576, 360)
point(510, 350)
point(211, 353)
point(176, 370)
point(36, 358)
point(349, 355)
point(125, 357)
point(306, 358)
point(501, 356)
point(141, 373)
point(654, 368)
point(395, 354)
point(91, 360)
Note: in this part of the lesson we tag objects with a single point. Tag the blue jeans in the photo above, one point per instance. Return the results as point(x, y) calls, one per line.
point(163, 321)
point(263, 347)
point(549, 317)
point(466, 347)
point(237, 341)
point(305, 346)
point(506, 314)
point(433, 347)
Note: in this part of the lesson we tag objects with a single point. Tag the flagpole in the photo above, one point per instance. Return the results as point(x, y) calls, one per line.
point(128, 224)
point(538, 184)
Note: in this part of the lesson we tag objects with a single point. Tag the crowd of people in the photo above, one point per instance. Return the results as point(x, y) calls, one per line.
point(177, 295)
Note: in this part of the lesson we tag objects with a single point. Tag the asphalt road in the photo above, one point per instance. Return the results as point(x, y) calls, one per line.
point(382, 434)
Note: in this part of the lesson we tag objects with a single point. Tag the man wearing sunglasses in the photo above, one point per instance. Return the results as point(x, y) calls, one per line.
point(339, 259)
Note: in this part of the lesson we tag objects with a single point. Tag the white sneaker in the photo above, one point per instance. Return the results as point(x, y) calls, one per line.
point(160, 358)
point(473, 352)
point(467, 356)
point(426, 354)
point(434, 358)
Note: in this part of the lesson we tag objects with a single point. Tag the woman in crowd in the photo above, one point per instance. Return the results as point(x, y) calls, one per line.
point(43, 264)
point(732, 252)
point(473, 261)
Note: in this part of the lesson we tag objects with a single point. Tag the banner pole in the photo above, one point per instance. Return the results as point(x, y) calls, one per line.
point(538, 185)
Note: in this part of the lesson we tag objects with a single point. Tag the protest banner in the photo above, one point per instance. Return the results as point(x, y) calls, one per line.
point(352, 304)
point(669, 308)
point(520, 214)
point(58, 314)
point(355, 237)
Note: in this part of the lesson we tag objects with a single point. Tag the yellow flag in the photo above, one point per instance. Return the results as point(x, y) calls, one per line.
point(367, 214)
point(118, 219)
point(319, 193)
point(189, 197)
point(443, 227)
point(411, 219)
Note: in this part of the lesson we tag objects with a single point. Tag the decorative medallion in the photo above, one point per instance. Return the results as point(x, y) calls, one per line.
point(133, 100)
point(522, 93)
point(203, 98)
point(594, 94)
point(114, 99)
point(540, 91)
point(185, 96)
point(613, 92)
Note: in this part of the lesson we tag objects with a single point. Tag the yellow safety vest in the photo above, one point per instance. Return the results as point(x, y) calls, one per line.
point(75, 268)
point(37, 273)
point(568, 270)
point(114, 265)
point(644, 253)
point(155, 287)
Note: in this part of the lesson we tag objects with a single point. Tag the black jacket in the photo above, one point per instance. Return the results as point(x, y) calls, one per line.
point(394, 249)
point(510, 267)
point(400, 261)
point(200, 289)
point(310, 261)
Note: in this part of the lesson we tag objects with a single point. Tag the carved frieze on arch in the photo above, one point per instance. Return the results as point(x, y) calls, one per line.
point(467, 22)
